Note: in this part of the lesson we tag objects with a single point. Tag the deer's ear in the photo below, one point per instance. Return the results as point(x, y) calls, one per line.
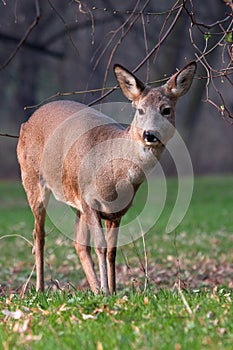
point(180, 82)
point(130, 85)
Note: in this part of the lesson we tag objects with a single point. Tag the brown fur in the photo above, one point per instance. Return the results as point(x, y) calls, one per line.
point(95, 166)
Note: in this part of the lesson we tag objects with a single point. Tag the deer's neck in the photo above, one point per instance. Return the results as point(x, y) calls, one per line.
point(145, 157)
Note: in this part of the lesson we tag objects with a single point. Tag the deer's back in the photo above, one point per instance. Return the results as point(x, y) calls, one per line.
point(54, 141)
point(52, 118)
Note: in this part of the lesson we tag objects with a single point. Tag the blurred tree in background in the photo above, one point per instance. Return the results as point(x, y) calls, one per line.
point(52, 47)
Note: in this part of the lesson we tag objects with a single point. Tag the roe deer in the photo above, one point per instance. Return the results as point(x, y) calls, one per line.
point(59, 149)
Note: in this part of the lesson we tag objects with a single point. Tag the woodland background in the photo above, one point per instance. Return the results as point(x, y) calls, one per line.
point(53, 46)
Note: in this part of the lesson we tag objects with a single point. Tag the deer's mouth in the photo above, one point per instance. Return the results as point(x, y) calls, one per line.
point(152, 138)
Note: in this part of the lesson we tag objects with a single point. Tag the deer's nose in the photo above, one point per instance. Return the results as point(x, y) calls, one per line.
point(151, 136)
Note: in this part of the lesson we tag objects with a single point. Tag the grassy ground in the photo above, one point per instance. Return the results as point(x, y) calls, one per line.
point(146, 314)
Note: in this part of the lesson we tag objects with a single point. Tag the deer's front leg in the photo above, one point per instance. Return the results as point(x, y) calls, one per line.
point(112, 235)
point(90, 222)
point(83, 248)
point(100, 245)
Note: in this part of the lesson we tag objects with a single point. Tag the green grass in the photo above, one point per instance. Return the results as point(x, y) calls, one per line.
point(198, 255)
point(136, 321)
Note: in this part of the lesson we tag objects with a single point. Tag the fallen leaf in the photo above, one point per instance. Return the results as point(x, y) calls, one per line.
point(9, 299)
point(74, 319)
point(135, 329)
point(14, 314)
point(99, 346)
point(207, 341)
point(123, 300)
point(177, 346)
point(63, 307)
point(222, 330)
point(30, 337)
point(87, 317)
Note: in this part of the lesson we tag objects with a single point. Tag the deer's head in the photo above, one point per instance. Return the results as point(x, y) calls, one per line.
point(154, 119)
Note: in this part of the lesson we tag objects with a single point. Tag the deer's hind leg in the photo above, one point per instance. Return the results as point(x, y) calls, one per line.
point(112, 235)
point(38, 198)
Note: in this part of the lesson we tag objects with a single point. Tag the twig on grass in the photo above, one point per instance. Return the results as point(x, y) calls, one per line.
point(145, 267)
point(180, 292)
point(17, 235)
point(25, 285)
point(178, 262)
point(177, 285)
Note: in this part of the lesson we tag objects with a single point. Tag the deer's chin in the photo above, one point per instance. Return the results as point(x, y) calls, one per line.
point(154, 144)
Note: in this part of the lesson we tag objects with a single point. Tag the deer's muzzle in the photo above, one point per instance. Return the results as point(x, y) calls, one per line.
point(151, 137)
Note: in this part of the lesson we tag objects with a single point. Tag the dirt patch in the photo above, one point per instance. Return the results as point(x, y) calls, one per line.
point(204, 273)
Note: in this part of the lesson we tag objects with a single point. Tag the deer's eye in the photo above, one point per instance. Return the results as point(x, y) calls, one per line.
point(166, 111)
point(141, 111)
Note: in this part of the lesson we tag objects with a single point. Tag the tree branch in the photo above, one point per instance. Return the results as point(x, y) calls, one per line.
point(37, 47)
point(147, 56)
point(9, 135)
point(65, 25)
point(24, 38)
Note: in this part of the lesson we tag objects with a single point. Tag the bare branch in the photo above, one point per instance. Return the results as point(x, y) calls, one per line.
point(123, 36)
point(24, 38)
point(147, 56)
point(9, 135)
point(146, 46)
point(114, 34)
point(33, 46)
point(65, 25)
point(161, 41)
point(73, 27)
point(204, 25)
point(229, 3)
point(163, 26)
point(84, 9)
